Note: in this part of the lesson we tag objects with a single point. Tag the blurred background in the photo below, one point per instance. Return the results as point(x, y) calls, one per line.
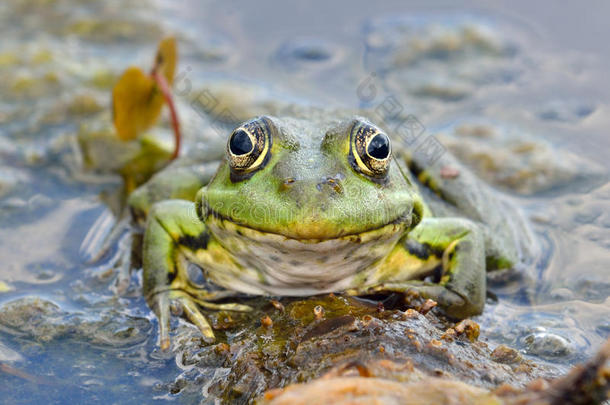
point(517, 90)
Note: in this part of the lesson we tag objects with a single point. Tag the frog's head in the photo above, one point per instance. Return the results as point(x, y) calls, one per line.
point(310, 181)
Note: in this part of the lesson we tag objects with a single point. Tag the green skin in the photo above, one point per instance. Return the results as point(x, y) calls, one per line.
point(309, 216)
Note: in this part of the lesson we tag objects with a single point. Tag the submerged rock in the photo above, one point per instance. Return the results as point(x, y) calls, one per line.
point(547, 344)
point(516, 160)
point(45, 321)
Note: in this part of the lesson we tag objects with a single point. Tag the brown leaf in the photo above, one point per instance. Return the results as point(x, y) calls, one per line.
point(137, 99)
point(165, 61)
point(136, 103)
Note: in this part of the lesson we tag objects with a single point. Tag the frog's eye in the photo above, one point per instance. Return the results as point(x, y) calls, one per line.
point(370, 149)
point(249, 145)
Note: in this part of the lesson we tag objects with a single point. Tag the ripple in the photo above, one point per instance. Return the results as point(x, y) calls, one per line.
point(305, 53)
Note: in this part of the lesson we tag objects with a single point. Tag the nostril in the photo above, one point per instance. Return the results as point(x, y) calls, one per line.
point(332, 182)
point(287, 183)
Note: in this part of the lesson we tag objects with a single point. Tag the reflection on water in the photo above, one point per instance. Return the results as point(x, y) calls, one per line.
point(495, 88)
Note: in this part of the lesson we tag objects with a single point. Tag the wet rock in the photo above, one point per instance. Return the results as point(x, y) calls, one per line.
point(297, 346)
point(360, 390)
point(525, 328)
point(546, 344)
point(585, 384)
point(469, 329)
point(516, 160)
point(438, 59)
point(45, 321)
point(588, 383)
point(506, 355)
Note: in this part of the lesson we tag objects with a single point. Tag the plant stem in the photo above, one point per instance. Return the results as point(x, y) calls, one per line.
point(167, 94)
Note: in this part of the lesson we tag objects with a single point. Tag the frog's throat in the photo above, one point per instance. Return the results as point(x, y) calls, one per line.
point(271, 263)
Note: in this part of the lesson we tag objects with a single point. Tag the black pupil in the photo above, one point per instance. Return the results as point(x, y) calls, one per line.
point(240, 143)
point(379, 147)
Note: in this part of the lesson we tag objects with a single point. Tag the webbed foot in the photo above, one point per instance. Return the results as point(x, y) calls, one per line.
point(162, 302)
point(173, 232)
point(452, 302)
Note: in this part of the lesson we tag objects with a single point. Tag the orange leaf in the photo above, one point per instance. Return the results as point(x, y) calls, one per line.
point(136, 103)
point(165, 61)
point(136, 97)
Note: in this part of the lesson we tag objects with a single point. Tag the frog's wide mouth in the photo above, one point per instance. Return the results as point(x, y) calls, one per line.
point(311, 234)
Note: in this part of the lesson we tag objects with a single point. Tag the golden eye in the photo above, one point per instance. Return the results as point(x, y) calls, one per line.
point(370, 149)
point(249, 145)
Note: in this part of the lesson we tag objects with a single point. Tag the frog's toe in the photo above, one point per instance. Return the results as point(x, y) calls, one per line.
point(192, 312)
point(189, 305)
point(206, 298)
point(442, 295)
point(223, 307)
point(453, 304)
point(159, 303)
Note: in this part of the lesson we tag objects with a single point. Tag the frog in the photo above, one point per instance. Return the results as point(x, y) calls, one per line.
point(319, 203)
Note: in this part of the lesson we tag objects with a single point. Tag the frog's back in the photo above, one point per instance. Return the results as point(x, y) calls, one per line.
point(452, 190)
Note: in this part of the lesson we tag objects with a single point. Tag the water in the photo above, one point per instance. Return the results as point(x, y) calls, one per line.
point(59, 59)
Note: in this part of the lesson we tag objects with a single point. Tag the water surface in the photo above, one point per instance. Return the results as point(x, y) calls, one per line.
point(543, 79)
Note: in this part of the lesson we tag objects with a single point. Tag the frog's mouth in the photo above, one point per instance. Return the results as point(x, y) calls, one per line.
point(312, 234)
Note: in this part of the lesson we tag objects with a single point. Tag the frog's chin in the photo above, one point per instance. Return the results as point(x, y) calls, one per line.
point(272, 263)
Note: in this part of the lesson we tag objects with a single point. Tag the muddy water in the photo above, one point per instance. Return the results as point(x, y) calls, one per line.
point(531, 77)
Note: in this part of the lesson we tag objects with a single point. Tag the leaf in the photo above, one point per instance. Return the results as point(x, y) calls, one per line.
point(165, 61)
point(136, 103)
point(137, 99)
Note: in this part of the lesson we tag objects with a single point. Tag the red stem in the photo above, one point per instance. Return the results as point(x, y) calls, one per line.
point(167, 94)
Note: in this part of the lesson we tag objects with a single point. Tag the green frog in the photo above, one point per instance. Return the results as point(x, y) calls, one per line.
point(313, 204)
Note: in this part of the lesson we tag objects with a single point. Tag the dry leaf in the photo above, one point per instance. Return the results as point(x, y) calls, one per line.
point(136, 103)
point(137, 99)
point(165, 61)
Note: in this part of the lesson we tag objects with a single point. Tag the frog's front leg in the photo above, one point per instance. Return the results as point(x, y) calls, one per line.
point(448, 251)
point(174, 182)
point(174, 233)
